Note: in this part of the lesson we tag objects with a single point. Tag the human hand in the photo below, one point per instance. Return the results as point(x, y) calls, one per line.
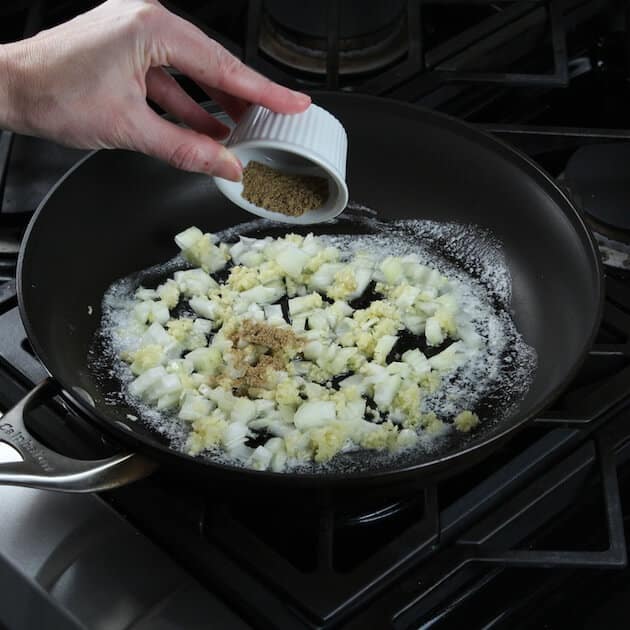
point(85, 83)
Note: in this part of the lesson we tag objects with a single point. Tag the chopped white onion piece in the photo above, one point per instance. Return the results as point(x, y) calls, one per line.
point(194, 282)
point(168, 384)
point(318, 320)
point(202, 326)
point(156, 334)
point(311, 244)
point(418, 362)
point(168, 401)
point(385, 390)
point(353, 411)
point(237, 250)
point(324, 276)
point(146, 294)
point(160, 312)
point(302, 304)
point(433, 332)
point(260, 458)
point(356, 380)
point(251, 259)
point(243, 411)
point(180, 366)
point(450, 358)
point(383, 347)
point(223, 398)
point(292, 261)
point(314, 414)
point(313, 350)
point(146, 380)
point(172, 350)
point(339, 363)
point(415, 323)
point(279, 461)
point(235, 435)
point(363, 277)
point(256, 313)
point(262, 295)
point(195, 407)
point(273, 313)
point(392, 269)
point(406, 438)
point(274, 444)
point(264, 406)
point(407, 297)
point(298, 323)
point(142, 311)
point(188, 238)
point(203, 306)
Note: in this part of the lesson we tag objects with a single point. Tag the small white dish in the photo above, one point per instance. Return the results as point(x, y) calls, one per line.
point(311, 143)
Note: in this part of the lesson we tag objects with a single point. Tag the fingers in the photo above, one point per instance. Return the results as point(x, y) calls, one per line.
point(205, 61)
point(234, 107)
point(183, 148)
point(164, 90)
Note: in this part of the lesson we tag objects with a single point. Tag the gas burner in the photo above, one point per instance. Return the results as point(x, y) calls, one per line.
point(297, 36)
point(613, 243)
point(613, 253)
point(595, 178)
point(351, 528)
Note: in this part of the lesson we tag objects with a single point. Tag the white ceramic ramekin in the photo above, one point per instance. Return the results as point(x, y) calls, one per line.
point(311, 143)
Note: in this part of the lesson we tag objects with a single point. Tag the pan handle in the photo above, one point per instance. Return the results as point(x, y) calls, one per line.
point(43, 468)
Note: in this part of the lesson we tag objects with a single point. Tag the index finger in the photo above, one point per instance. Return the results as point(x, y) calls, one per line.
point(189, 50)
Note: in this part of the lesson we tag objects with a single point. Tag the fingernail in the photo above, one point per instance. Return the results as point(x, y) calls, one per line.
point(305, 98)
point(229, 166)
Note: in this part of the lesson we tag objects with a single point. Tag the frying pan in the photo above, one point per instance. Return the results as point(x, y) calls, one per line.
point(116, 212)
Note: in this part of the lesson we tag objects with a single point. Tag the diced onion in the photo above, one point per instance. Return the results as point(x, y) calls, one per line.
point(314, 414)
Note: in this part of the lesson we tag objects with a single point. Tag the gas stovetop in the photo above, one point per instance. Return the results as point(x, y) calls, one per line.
point(520, 540)
point(550, 500)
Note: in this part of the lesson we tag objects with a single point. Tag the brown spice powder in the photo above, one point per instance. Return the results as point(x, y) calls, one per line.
point(280, 341)
point(286, 193)
point(261, 334)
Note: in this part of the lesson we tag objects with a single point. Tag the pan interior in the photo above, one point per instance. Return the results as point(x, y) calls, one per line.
point(491, 382)
point(118, 211)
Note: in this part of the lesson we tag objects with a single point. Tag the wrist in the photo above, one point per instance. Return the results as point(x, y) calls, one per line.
point(5, 90)
point(8, 105)
point(11, 70)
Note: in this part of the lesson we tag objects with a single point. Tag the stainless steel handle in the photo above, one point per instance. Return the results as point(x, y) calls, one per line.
point(43, 468)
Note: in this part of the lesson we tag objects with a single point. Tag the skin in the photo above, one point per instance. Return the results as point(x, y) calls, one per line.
point(85, 83)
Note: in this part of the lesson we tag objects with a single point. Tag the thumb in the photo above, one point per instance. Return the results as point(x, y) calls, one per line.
point(183, 148)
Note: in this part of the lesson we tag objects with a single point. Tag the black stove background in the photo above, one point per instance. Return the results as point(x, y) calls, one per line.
point(521, 539)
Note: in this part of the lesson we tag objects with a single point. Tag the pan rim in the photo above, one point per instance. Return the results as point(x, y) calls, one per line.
point(386, 475)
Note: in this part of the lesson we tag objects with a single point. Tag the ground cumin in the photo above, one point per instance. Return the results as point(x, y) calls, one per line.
point(289, 194)
point(281, 342)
